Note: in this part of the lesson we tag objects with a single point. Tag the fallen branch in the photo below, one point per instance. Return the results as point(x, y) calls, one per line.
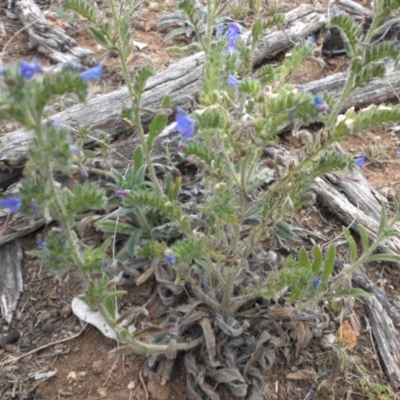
point(180, 80)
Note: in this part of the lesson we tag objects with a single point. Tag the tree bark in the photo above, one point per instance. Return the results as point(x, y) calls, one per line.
point(49, 40)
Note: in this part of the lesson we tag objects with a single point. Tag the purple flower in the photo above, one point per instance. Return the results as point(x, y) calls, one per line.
point(12, 203)
point(232, 81)
point(320, 105)
point(233, 32)
point(184, 125)
point(360, 161)
point(315, 283)
point(122, 192)
point(41, 244)
point(170, 260)
point(233, 35)
point(92, 74)
point(28, 70)
point(310, 39)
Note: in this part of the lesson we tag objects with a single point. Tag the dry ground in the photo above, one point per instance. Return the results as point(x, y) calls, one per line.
point(83, 369)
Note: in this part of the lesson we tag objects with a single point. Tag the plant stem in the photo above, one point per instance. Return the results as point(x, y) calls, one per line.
point(135, 105)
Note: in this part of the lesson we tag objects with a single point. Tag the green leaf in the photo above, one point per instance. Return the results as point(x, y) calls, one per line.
point(175, 32)
point(118, 178)
point(141, 77)
point(283, 230)
point(303, 259)
point(317, 262)
point(347, 293)
point(111, 226)
point(380, 51)
point(157, 126)
point(89, 153)
point(166, 102)
point(100, 38)
point(384, 257)
point(364, 237)
point(352, 244)
point(294, 295)
point(83, 8)
point(329, 263)
point(350, 31)
point(138, 158)
point(257, 30)
point(166, 19)
point(384, 222)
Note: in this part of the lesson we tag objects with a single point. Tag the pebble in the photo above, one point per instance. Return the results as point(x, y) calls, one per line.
point(26, 342)
point(97, 366)
point(47, 327)
point(65, 312)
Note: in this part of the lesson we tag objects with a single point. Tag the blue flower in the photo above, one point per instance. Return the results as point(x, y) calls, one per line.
point(35, 207)
point(233, 35)
point(232, 81)
point(184, 125)
point(28, 70)
point(92, 74)
point(12, 203)
point(41, 244)
point(233, 32)
point(170, 260)
point(337, 10)
point(320, 105)
point(315, 283)
point(398, 151)
point(311, 39)
point(360, 161)
point(74, 149)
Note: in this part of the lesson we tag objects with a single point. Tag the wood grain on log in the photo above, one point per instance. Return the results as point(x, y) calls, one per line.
point(355, 8)
point(180, 80)
point(386, 337)
point(10, 278)
point(50, 40)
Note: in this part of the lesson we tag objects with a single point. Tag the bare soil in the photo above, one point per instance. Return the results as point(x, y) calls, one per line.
point(83, 369)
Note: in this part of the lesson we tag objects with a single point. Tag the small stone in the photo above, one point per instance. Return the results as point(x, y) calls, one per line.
point(58, 348)
point(97, 366)
point(377, 139)
point(82, 374)
point(26, 342)
point(72, 376)
point(328, 341)
point(102, 391)
point(48, 327)
point(12, 337)
point(77, 328)
point(131, 385)
point(9, 348)
point(65, 312)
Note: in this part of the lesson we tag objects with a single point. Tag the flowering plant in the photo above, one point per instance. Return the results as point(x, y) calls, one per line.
point(221, 252)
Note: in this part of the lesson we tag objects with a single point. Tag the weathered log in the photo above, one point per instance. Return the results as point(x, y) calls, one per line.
point(10, 278)
point(48, 39)
point(180, 80)
point(362, 280)
point(350, 214)
point(355, 8)
point(386, 337)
